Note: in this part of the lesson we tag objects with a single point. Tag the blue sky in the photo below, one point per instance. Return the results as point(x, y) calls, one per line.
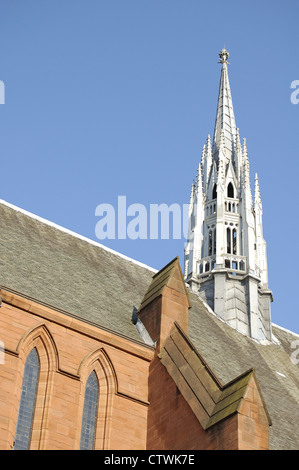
point(116, 97)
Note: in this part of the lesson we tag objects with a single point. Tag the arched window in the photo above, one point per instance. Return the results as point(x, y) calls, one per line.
point(228, 241)
point(210, 242)
point(234, 241)
point(90, 412)
point(242, 266)
point(230, 190)
point(214, 194)
point(27, 402)
point(214, 248)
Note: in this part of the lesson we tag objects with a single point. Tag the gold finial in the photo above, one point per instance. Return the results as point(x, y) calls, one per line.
point(224, 55)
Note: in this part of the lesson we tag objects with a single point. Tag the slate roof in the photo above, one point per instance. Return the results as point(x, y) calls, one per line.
point(44, 262)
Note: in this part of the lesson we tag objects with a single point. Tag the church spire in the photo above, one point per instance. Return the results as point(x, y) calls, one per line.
point(225, 253)
point(225, 118)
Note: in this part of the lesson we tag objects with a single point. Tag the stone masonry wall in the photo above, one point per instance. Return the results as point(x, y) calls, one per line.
point(69, 350)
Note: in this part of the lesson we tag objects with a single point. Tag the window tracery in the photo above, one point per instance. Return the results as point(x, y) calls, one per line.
point(89, 419)
point(27, 402)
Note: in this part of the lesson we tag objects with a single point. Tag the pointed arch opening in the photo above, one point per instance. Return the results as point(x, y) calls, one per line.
point(230, 190)
point(214, 192)
point(27, 402)
point(228, 241)
point(214, 242)
point(234, 241)
point(99, 385)
point(90, 411)
point(40, 340)
point(210, 242)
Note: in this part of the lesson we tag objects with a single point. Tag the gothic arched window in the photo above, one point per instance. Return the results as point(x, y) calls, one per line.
point(234, 241)
point(210, 242)
point(27, 402)
point(90, 412)
point(214, 195)
point(214, 247)
point(230, 190)
point(228, 240)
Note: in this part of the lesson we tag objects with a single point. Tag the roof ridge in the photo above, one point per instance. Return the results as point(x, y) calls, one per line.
point(285, 329)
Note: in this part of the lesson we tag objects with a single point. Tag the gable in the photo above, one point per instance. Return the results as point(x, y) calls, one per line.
point(210, 400)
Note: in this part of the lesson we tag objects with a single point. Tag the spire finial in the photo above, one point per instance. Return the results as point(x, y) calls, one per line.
point(224, 55)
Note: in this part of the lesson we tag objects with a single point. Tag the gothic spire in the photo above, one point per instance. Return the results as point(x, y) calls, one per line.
point(225, 253)
point(225, 118)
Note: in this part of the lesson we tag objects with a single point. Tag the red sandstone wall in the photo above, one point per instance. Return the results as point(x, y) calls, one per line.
point(253, 424)
point(171, 422)
point(69, 350)
point(129, 375)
